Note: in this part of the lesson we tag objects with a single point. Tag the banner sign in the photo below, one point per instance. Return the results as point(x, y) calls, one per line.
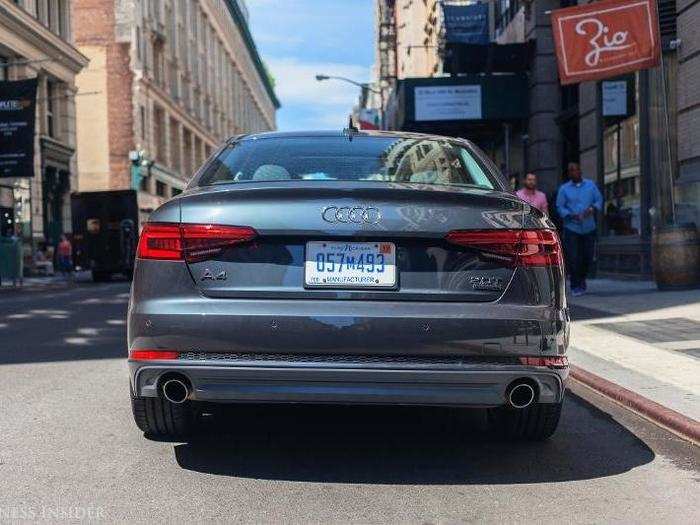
point(17, 120)
point(467, 24)
point(605, 39)
point(447, 102)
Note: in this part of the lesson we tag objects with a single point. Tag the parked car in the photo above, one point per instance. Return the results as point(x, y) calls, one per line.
point(349, 268)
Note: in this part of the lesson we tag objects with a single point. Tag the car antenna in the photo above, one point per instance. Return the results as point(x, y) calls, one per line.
point(351, 129)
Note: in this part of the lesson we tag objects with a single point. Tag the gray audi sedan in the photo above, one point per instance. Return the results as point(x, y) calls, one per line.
point(348, 268)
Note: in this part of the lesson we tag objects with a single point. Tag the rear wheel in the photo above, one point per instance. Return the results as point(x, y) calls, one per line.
point(534, 423)
point(160, 418)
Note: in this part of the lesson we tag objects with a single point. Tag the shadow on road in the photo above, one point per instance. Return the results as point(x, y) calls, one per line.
point(405, 446)
point(84, 322)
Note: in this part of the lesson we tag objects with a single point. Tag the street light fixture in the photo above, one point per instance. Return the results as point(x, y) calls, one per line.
point(362, 85)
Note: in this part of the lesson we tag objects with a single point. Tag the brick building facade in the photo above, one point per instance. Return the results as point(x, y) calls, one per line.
point(175, 78)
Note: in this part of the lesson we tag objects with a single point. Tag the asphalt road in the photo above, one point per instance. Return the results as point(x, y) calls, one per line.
point(69, 449)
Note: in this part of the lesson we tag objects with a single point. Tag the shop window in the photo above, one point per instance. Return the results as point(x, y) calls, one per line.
point(621, 178)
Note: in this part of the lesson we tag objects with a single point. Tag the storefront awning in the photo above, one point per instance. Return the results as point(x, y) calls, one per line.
point(461, 106)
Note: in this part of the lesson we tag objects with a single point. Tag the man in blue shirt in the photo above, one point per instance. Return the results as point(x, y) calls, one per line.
point(577, 202)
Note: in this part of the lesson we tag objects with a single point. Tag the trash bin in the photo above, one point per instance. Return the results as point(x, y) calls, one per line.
point(11, 263)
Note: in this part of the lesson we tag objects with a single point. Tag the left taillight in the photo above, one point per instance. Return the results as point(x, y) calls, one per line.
point(189, 242)
point(519, 247)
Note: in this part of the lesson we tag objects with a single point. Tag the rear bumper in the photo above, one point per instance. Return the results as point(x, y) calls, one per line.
point(477, 385)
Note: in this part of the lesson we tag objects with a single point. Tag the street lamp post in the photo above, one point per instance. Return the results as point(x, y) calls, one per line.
point(362, 85)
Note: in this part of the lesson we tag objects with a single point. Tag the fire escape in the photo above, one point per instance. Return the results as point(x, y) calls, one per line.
point(386, 35)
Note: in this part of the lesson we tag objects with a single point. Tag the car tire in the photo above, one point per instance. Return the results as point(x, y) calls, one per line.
point(534, 423)
point(162, 419)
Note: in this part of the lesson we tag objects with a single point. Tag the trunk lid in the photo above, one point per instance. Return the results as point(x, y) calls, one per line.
point(415, 218)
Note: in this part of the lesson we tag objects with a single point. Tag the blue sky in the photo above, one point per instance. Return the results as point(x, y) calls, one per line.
point(298, 39)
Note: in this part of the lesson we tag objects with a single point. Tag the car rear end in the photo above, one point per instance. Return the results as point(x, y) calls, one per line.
point(313, 284)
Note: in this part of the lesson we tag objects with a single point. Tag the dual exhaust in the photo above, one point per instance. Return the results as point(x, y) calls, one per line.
point(520, 394)
point(175, 388)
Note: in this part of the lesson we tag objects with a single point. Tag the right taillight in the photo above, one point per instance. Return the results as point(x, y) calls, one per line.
point(519, 247)
point(189, 242)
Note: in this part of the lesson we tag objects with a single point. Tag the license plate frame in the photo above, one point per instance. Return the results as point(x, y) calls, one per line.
point(348, 278)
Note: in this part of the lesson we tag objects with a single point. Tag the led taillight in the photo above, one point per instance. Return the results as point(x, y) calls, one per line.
point(160, 241)
point(143, 354)
point(189, 242)
point(517, 247)
point(203, 241)
point(550, 362)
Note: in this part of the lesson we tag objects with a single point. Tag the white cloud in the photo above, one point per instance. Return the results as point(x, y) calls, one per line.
point(295, 82)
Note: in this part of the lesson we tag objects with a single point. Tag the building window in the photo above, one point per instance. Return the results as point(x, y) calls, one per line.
point(51, 106)
point(143, 123)
point(63, 28)
point(158, 63)
point(161, 189)
point(175, 149)
point(505, 11)
point(4, 68)
point(159, 132)
point(41, 12)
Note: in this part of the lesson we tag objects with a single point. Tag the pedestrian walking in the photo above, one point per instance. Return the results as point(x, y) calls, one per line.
point(65, 256)
point(577, 201)
point(530, 194)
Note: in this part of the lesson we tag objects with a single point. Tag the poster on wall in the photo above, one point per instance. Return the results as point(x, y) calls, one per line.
point(448, 102)
point(17, 122)
point(614, 98)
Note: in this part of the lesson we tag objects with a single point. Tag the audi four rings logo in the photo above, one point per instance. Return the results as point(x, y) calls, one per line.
point(348, 214)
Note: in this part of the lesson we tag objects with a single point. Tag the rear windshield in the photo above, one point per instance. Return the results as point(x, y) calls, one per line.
point(381, 159)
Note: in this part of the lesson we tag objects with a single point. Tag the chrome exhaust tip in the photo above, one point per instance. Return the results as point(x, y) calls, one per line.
point(175, 390)
point(520, 395)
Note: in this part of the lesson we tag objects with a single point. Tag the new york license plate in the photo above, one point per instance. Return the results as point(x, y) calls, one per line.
point(350, 264)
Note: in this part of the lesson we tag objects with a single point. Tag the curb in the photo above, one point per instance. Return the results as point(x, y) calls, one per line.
point(676, 422)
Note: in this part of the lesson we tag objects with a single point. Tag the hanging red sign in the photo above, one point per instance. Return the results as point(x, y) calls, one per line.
point(605, 39)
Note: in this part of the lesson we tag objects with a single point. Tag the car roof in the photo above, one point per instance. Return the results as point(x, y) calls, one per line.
point(343, 133)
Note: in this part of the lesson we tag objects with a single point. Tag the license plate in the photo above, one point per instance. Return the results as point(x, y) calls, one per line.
point(350, 264)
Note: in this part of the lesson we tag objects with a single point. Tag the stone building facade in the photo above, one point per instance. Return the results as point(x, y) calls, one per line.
point(640, 168)
point(635, 164)
point(35, 42)
point(175, 78)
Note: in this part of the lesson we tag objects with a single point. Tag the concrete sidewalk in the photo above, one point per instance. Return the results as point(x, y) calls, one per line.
point(641, 339)
point(45, 282)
